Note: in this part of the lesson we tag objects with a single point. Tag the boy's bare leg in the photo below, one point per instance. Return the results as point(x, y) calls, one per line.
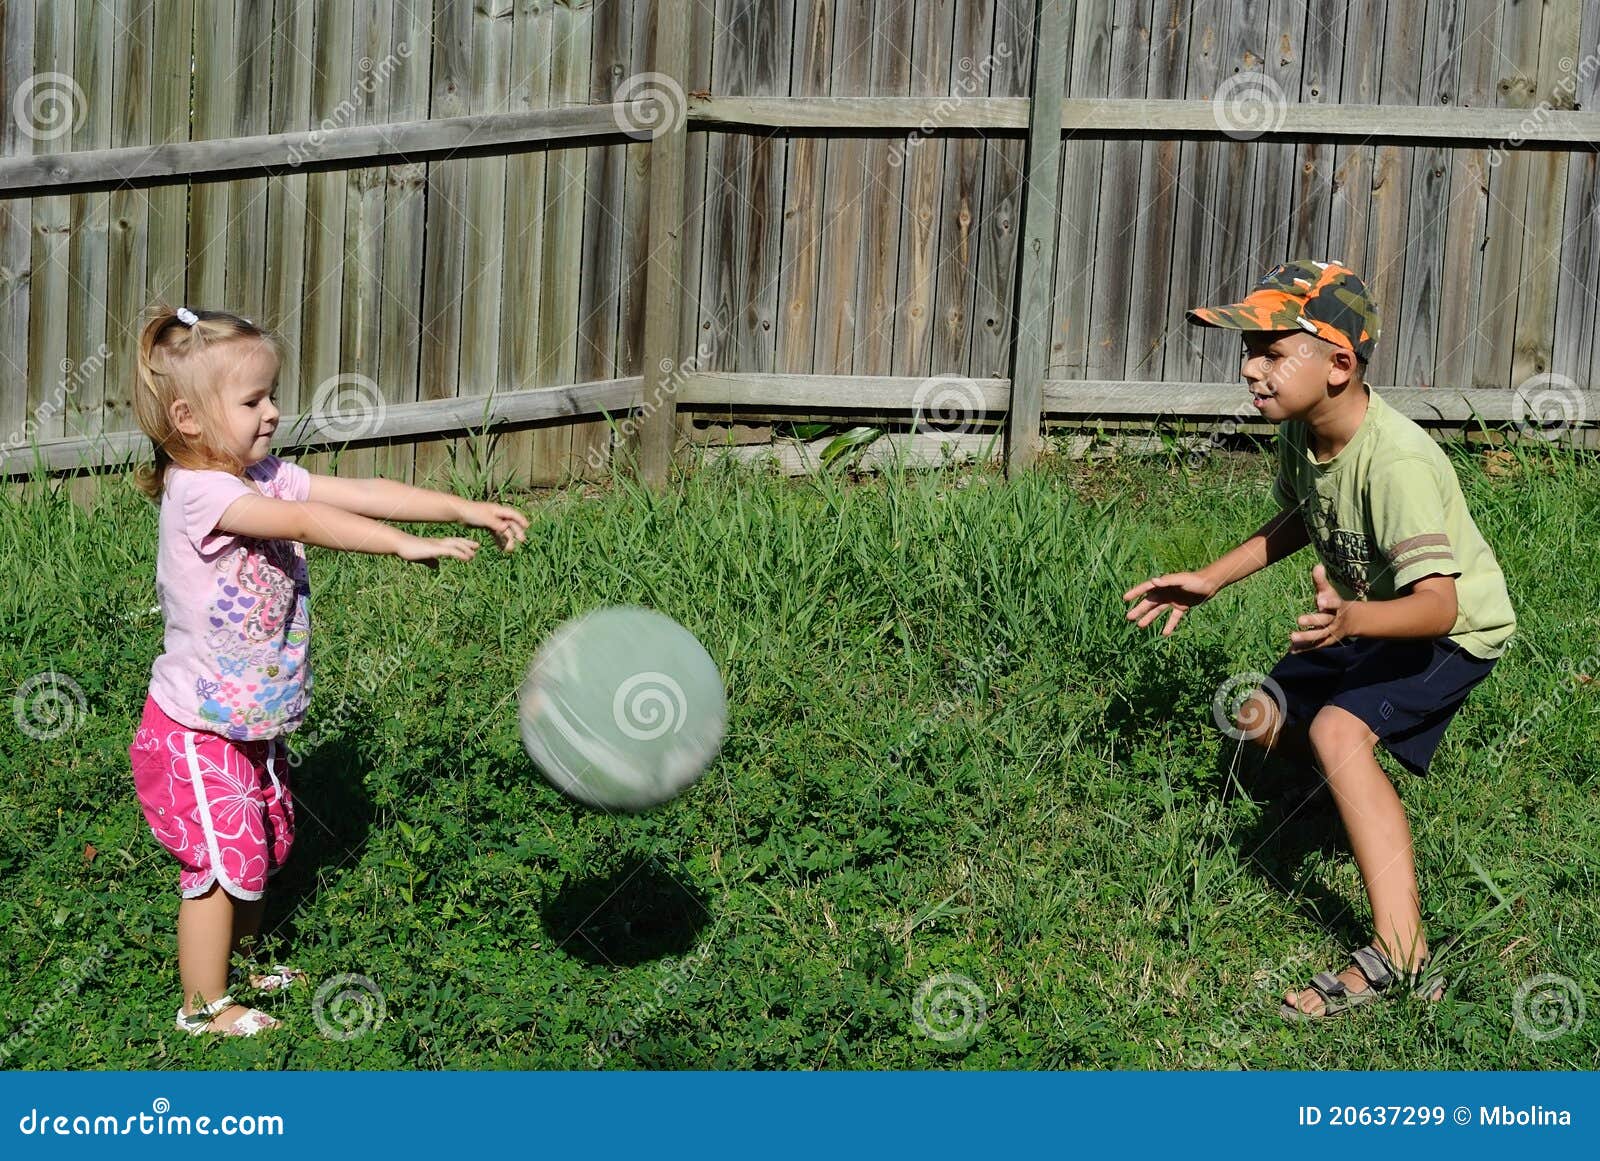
point(205, 937)
point(1380, 836)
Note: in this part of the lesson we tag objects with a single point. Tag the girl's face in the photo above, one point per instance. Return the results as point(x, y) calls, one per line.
point(247, 376)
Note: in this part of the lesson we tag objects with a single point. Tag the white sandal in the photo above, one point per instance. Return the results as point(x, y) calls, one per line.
point(249, 1024)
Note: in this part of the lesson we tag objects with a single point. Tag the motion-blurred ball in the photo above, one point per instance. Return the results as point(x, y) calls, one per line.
point(622, 709)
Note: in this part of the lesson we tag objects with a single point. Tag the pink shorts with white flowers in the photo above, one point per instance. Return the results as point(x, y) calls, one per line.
point(222, 807)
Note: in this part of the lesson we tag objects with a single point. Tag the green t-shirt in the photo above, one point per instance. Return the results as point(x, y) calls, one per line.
point(1386, 512)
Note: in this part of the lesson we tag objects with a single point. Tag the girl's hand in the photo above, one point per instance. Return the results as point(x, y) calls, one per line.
point(1177, 591)
point(509, 526)
point(429, 550)
point(1330, 624)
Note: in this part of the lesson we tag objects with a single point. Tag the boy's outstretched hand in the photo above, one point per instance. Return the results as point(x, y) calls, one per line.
point(1329, 624)
point(1177, 591)
point(509, 526)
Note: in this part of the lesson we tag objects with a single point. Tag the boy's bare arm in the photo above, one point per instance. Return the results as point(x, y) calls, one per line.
point(1282, 536)
point(1177, 592)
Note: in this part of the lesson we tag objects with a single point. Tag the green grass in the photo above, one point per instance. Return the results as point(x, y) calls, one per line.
point(948, 755)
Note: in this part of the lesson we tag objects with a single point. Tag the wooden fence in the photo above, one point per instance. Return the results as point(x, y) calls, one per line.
point(460, 215)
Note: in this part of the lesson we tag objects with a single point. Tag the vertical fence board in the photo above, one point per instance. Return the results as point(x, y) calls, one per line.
point(879, 265)
point(1517, 72)
point(128, 209)
point(1314, 160)
point(52, 222)
point(1467, 212)
point(16, 240)
point(249, 90)
point(804, 193)
point(81, 380)
point(917, 158)
point(1576, 350)
point(846, 184)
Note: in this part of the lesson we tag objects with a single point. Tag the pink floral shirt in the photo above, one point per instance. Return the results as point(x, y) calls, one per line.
point(237, 610)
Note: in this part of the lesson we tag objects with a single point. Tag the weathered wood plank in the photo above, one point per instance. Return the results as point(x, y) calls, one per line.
point(960, 197)
point(404, 188)
point(532, 27)
point(1351, 206)
point(285, 259)
point(128, 209)
point(1467, 215)
point(1388, 256)
point(1000, 219)
point(216, 56)
point(918, 158)
point(1517, 65)
point(88, 249)
point(1082, 198)
point(1576, 352)
point(1152, 312)
point(1545, 241)
point(362, 270)
point(482, 289)
point(311, 432)
point(560, 269)
point(1273, 211)
point(1415, 338)
point(1314, 160)
point(50, 282)
point(444, 255)
point(17, 424)
point(658, 430)
point(1113, 279)
point(879, 265)
point(1041, 225)
point(846, 184)
point(803, 186)
point(249, 90)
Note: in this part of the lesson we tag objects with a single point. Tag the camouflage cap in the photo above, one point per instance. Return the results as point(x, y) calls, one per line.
point(1323, 298)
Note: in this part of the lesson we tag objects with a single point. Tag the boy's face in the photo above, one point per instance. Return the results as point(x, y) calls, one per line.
point(1290, 372)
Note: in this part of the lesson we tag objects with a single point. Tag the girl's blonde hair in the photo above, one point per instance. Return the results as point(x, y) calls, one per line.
point(171, 367)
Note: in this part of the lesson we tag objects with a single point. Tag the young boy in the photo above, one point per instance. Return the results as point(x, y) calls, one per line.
point(1412, 609)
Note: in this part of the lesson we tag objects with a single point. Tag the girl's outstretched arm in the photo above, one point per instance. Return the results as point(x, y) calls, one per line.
point(313, 522)
point(382, 499)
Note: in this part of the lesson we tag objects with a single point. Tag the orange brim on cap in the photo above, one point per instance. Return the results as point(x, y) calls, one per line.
point(1268, 310)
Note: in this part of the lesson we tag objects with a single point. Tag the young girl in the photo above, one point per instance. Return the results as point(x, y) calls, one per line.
point(233, 678)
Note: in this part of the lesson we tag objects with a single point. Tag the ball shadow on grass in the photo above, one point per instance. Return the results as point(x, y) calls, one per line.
point(638, 912)
point(333, 814)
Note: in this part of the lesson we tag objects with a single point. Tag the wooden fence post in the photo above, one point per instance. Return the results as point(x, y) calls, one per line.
point(664, 265)
point(1030, 325)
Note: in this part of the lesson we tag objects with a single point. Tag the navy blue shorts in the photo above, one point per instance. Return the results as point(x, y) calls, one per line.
point(1406, 691)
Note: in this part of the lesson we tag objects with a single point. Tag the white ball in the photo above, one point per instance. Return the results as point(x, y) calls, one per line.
point(622, 709)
